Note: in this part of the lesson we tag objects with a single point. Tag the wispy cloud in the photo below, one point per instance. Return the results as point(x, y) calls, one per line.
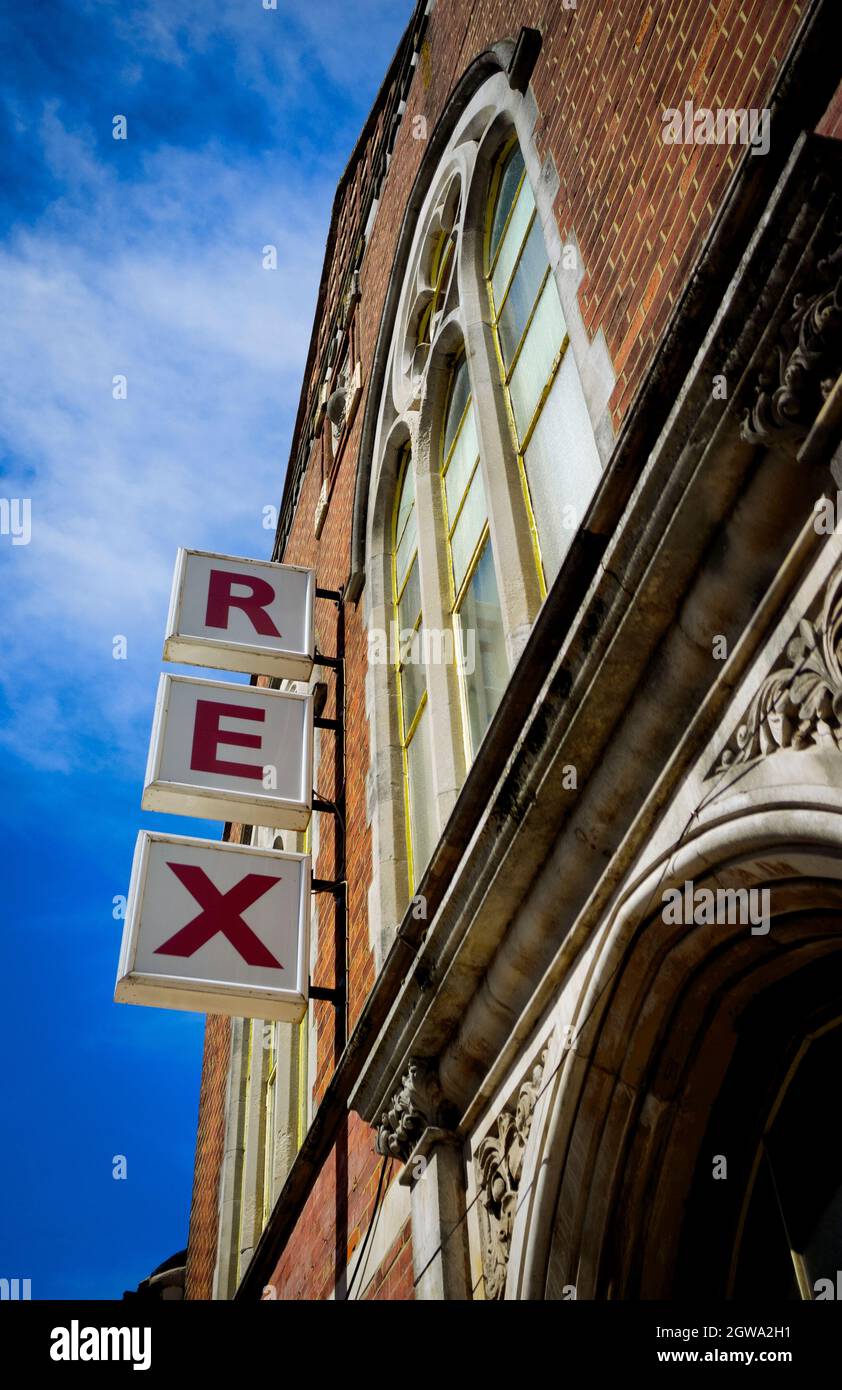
point(124, 280)
point(140, 258)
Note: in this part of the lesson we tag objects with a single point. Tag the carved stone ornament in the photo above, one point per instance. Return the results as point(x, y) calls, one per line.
point(799, 705)
point(499, 1163)
point(418, 1104)
point(809, 359)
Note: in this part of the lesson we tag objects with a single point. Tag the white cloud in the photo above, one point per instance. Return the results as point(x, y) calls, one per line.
point(160, 280)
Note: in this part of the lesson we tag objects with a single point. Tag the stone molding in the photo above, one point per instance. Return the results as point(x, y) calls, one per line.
point(418, 1105)
point(499, 1163)
point(792, 389)
point(799, 704)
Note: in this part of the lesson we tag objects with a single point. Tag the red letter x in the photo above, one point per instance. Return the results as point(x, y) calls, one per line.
point(221, 912)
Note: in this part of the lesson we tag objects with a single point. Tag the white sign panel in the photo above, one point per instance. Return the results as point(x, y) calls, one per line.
point(241, 615)
point(216, 928)
point(232, 753)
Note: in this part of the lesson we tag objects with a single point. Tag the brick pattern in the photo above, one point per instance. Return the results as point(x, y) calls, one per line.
point(831, 123)
point(210, 1140)
point(393, 1281)
point(640, 210)
point(337, 1217)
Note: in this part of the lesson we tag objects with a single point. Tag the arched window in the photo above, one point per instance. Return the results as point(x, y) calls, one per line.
point(416, 750)
point(504, 463)
point(548, 416)
point(474, 600)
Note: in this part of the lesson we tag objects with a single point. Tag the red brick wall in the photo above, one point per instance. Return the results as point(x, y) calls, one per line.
point(339, 1215)
point(640, 210)
point(831, 122)
point(393, 1281)
point(210, 1140)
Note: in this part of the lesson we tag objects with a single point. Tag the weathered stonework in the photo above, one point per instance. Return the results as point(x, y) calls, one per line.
point(419, 1104)
point(799, 705)
point(499, 1163)
point(809, 356)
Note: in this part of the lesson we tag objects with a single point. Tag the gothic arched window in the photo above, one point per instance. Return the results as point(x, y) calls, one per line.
point(411, 676)
point(475, 387)
point(474, 599)
point(550, 426)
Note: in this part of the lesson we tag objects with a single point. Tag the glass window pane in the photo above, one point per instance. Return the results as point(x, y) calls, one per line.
point(468, 529)
point(512, 171)
point(421, 796)
point(545, 337)
point(413, 683)
point(461, 465)
point(562, 466)
point(407, 500)
point(442, 271)
point(459, 393)
point(405, 550)
point(409, 604)
point(512, 241)
point(483, 647)
point(521, 297)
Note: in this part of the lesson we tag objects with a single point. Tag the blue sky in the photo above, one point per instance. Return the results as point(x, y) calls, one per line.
point(143, 258)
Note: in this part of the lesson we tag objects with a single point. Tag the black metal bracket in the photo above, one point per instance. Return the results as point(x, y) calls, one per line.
point(337, 885)
point(327, 885)
point(333, 661)
point(336, 997)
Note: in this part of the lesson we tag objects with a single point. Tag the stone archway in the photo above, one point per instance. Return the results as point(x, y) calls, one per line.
point(632, 1081)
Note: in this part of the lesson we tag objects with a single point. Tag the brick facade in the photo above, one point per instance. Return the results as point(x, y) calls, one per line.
point(210, 1138)
point(639, 211)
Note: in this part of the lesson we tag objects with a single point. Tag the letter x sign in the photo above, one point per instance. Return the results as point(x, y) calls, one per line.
point(216, 928)
point(241, 615)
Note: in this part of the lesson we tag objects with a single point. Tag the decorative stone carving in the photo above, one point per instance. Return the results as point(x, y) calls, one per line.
point(791, 393)
point(499, 1163)
point(418, 1104)
point(799, 705)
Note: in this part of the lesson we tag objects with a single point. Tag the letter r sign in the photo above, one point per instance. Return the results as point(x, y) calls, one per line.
point(242, 615)
point(211, 742)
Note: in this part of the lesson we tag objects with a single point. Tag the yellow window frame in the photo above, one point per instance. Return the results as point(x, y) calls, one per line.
point(457, 597)
point(406, 733)
point(520, 445)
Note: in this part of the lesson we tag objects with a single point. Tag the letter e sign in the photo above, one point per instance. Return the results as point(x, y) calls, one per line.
point(211, 742)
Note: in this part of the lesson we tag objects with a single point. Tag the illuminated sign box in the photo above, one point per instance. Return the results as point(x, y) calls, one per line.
point(232, 753)
point(241, 615)
point(216, 928)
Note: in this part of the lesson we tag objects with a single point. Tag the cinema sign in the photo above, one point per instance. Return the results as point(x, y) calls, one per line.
point(217, 927)
point(241, 615)
point(232, 753)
